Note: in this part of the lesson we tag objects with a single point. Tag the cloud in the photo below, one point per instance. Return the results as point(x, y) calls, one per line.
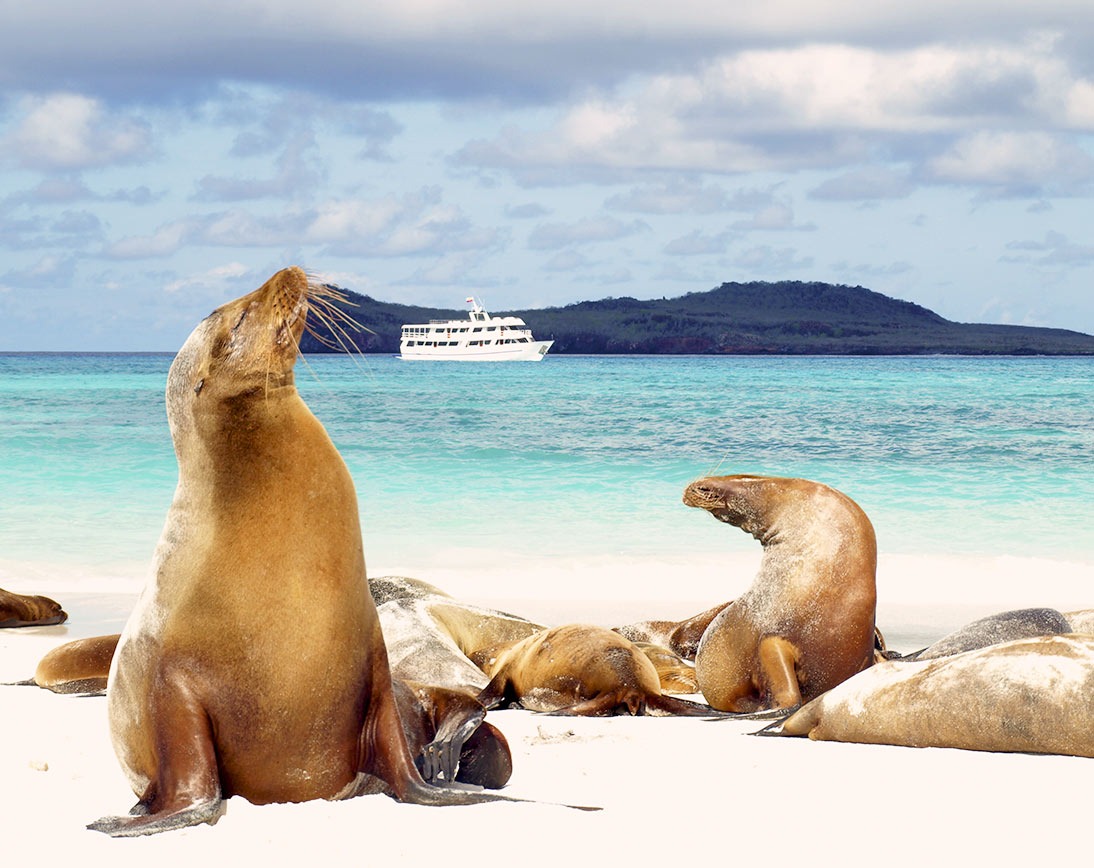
point(870, 183)
point(1023, 162)
point(554, 236)
point(765, 259)
point(695, 243)
point(214, 282)
point(1055, 249)
point(68, 131)
point(294, 177)
point(526, 211)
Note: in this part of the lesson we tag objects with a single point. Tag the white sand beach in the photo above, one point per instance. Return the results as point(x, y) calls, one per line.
point(669, 788)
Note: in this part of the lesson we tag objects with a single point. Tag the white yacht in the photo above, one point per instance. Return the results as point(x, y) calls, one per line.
point(482, 338)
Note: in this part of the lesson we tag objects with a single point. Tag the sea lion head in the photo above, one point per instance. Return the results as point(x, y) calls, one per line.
point(244, 347)
point(735, 500)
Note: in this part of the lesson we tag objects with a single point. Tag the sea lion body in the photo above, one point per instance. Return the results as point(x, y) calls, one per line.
point(1080, 621)
point(680, 637)
point(807, 621)
point(994, 630)
point(80, 666)
point(430, 636)
point(29, 610)
point(577, 669)
point(1028, 695)
point(253, 663)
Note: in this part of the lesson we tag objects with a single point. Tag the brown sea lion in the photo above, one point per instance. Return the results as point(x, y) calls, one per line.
point(807, 621)
point(577, 669)
point(994, 630)
point(29, 610)
point(674, 673)
point(1029, 695)
point(450, 739)
point(430, 636)
point(253, 663)
point(80, 666)
point(441, 725)
point(681, 637)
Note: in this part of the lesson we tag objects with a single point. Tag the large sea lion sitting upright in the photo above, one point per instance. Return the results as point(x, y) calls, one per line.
point(807, 621)
point(253, 663)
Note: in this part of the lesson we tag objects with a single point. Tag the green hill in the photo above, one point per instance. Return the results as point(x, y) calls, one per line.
point(740, 318)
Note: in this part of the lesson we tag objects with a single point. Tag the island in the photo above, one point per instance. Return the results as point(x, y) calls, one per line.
point(756, 318)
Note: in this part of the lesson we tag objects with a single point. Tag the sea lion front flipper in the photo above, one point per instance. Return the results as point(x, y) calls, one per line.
point(778, 658)
point(186, 790)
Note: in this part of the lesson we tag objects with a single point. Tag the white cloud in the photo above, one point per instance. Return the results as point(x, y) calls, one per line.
point(71, 131)
point(1014, 159)
point(554, 236)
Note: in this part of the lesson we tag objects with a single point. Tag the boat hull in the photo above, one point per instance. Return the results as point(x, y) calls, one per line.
point(533, 352)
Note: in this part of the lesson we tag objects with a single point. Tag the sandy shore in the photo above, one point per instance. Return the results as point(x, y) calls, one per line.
point(669, 788)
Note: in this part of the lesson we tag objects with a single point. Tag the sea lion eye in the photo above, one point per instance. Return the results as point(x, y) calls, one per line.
point(198, 387)
point(242, 317)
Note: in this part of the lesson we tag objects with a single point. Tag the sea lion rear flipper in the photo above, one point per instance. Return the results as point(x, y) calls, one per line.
point(441, 757)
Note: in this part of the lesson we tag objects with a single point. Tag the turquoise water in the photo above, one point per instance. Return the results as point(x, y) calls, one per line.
point(583, 455)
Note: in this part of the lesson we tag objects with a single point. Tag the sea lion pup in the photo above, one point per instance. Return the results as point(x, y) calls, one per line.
point(995, 629)
point(578, 669)
point(253, 663)
point(29, 610)
point(1029, 695)
point(680, 637)
point(807, 621)
point(430, 636)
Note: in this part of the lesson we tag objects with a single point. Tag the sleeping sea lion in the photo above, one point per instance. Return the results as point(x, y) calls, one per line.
point(253, 663)
point(807, 621)
point(577, 669)
point(29, 610)
point(1030, 695)
point(681, 637)
point(995, 629)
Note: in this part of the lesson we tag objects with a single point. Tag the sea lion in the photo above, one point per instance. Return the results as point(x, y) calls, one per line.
point(1029, 695)
point(995, 629)
point(681, 637)
point(577, 669)
point(1081, 621)
point(253, 663)
point(29, 610)
point(449, 737)
point(80, 666)
point(441, 725)
point(807, 621)
point(430, 636)
point(674, 673)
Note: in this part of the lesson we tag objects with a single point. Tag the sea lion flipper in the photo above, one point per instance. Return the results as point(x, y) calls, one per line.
point(441, 757)
point(186, 788)
point(149, 824)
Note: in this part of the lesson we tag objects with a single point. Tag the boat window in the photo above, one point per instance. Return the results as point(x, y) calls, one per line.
point(476, 329)
point(491, 329)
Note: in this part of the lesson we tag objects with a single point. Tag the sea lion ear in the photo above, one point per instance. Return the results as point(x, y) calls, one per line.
point(198, 387)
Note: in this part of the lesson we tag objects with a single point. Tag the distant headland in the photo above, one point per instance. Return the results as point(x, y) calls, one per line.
point(787, 318)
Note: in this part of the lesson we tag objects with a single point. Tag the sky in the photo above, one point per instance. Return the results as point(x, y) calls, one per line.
point(159, 159)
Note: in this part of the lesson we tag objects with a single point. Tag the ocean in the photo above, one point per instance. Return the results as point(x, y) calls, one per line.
point(576, 457)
